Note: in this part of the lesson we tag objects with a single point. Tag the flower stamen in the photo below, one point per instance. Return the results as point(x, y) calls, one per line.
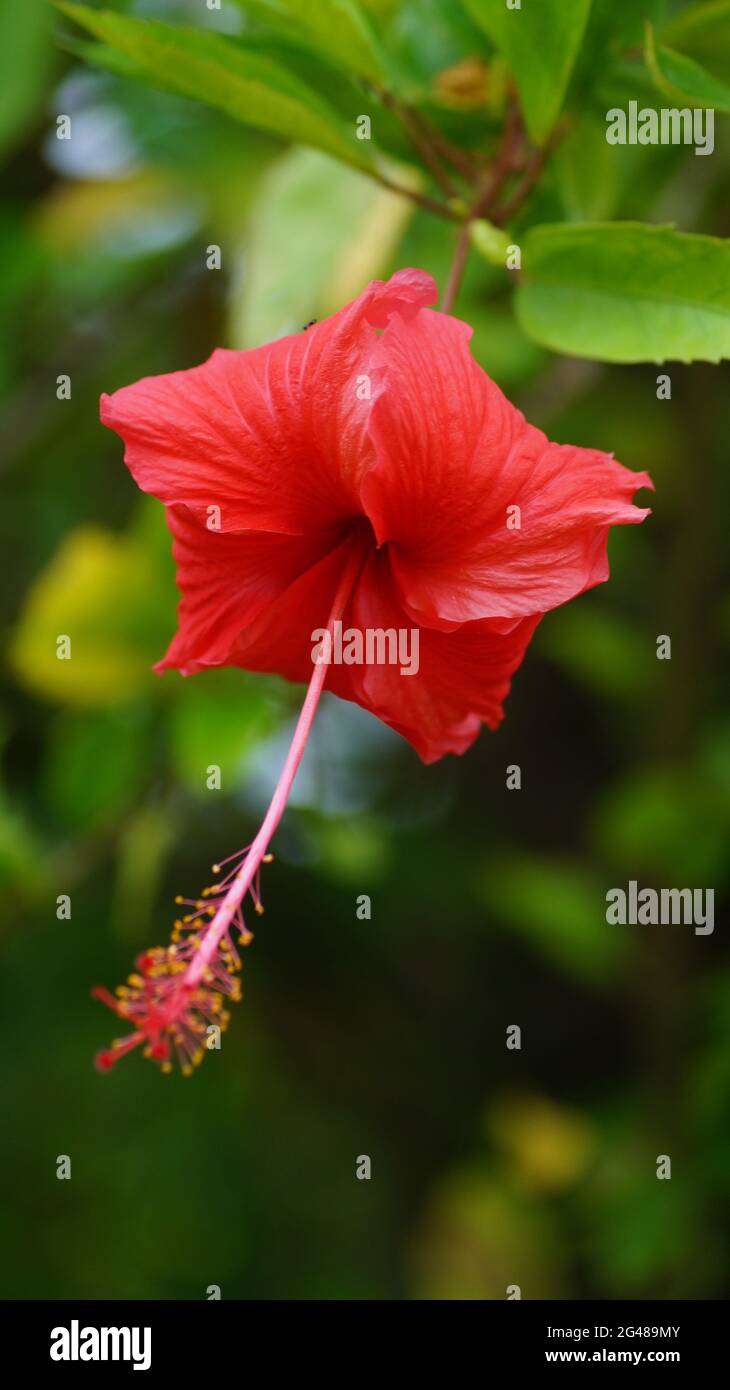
point(178, 993)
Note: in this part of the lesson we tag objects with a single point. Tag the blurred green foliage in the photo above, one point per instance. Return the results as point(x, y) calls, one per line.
point(385, 1037)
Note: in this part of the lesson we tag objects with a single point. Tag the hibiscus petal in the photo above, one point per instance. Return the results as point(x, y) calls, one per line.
point(462, 679)
point(281, 638)
point(226, 579)
point(276, 438)
point(452, 456)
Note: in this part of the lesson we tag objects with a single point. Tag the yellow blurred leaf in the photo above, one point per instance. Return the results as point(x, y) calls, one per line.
point(477, 1239)
point(78, 214)
point(548, 1145)
point(104, 593)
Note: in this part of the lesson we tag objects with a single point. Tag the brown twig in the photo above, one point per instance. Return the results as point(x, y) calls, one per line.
point(507, 161)
point(458, 265)
point(500, 170)
point(421, 142)
point(533, 170)
point(461, 160)
point(423, 200)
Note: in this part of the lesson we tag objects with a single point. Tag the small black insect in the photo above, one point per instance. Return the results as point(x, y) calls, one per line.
point(309, 325)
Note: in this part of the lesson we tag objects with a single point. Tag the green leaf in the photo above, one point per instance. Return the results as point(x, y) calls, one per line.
point(614, 27)
point(221, 72)
point(353, 850)
point(702, 33)
point(97, 763)
point(100, 55)
point(626, 292)
point(557, 906)
point(218, 719)
point(643, 821)
point(143, 844)
point(601, 651)
point(333, 29)
point(683, 79)
point(20, 847)
point(426, 39)
point(540, 41)
point(347, 233)
point(589, 178)
point(490, 241)
point(24, 59)
point(22, 260)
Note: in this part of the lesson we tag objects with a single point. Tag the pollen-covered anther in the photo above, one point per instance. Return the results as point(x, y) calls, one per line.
point(170, 1014)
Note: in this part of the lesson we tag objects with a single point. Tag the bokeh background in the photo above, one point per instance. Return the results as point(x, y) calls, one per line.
point(387, 1038)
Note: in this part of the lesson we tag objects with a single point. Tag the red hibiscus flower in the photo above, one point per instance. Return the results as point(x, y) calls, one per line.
point(375, 429)
point(365, 473)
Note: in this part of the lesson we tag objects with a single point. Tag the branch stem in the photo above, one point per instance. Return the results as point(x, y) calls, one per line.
point(423, 200)
point(509, 160)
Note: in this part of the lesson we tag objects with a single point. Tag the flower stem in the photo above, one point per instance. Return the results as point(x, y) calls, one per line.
point(244, 878)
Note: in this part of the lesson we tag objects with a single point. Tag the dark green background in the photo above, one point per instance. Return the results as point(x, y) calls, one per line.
point(387, 1037)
